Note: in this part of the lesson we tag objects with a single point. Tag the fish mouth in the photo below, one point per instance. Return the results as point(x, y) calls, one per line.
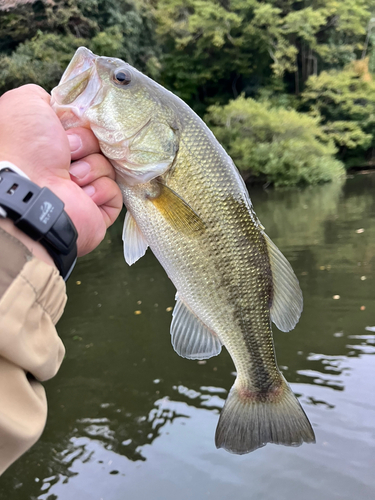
point(82, 60)
point(78, 90)
point(76, 101)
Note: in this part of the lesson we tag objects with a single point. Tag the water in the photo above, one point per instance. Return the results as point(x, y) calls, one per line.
point(129, 419)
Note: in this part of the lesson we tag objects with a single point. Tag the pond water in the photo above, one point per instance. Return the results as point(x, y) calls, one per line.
point(130, 419)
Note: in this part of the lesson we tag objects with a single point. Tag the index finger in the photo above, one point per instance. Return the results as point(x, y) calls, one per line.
point(29, 91)
point(82, 142)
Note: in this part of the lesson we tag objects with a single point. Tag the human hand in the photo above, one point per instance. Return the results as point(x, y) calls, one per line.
point(67, 162)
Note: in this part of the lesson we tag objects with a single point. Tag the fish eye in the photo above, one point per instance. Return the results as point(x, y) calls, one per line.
point(122, 77)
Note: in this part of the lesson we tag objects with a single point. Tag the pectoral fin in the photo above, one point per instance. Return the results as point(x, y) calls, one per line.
point(190, 337)
point(135, 245)
point(178, 213)
point(287, 302)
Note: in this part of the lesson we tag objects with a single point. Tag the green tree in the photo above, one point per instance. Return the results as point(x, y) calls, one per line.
point(41, 60)
point(39, 38)
point(22, 21)
point(126, 28)
point(279, 145)
point(312, 36)
point(209, 55)
point(240, 44)
point(345, 102)
point(209, 51)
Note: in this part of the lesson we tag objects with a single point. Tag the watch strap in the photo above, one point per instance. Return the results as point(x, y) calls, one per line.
point(40, 214)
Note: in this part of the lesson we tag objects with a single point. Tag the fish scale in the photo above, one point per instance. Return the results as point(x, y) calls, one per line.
point(193, 273)
point(186, 200)
point(241, 271)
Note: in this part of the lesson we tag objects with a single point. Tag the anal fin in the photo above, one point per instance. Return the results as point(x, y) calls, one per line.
point(135, 245)
point(190, 337)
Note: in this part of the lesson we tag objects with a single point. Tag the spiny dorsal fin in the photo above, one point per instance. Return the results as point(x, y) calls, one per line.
point(190, 337)
point(287, 302)
point(135, 245)
point(178, 213)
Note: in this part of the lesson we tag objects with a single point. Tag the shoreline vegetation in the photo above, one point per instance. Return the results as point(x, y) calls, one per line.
point(286, 87)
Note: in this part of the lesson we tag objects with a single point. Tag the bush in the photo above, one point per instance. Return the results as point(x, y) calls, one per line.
point(278, 145)
point(345, 102)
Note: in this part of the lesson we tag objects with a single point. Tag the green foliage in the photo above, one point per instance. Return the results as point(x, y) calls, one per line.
point(209, 54)
point(275, 95)
point(62, 17)
point(37, 39)
point(210, 51)
point(281, 145)
point(345, 102)
point(241, 44)
point(106, 42)
point(41, 60)
point(126, 28)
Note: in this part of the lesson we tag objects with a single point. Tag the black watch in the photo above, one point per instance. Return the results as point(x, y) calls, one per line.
point(40, 214)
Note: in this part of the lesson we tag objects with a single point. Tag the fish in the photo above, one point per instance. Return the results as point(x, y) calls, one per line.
point(186, 200)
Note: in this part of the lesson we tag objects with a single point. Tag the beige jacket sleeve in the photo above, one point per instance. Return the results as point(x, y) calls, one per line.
point(32, 299)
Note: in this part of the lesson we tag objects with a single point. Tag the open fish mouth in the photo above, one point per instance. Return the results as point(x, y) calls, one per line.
point(83, 60)
point(79, 89)
point(77, 101)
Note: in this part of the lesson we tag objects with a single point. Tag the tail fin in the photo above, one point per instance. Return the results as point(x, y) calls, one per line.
point(248, 422)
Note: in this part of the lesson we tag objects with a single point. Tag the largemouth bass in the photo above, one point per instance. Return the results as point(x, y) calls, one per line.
point(186, 200)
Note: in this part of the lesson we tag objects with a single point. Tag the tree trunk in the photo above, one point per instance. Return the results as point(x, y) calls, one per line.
point(303, 61)
point(296, 78)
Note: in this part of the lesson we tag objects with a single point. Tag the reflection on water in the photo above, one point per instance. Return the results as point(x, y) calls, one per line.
point(128, 418)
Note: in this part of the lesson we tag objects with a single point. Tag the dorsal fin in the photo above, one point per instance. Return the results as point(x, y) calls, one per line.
point(287, 302)
point(190, 337)
point(135, 245)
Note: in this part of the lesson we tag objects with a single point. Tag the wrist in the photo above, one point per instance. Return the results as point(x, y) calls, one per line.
point(39, 219)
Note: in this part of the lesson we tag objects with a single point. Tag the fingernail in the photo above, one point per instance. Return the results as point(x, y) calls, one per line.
point(89, 190)
point(75, 142)
point(79, 169)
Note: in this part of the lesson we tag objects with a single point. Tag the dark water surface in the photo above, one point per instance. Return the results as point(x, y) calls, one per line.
point(130, 419)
